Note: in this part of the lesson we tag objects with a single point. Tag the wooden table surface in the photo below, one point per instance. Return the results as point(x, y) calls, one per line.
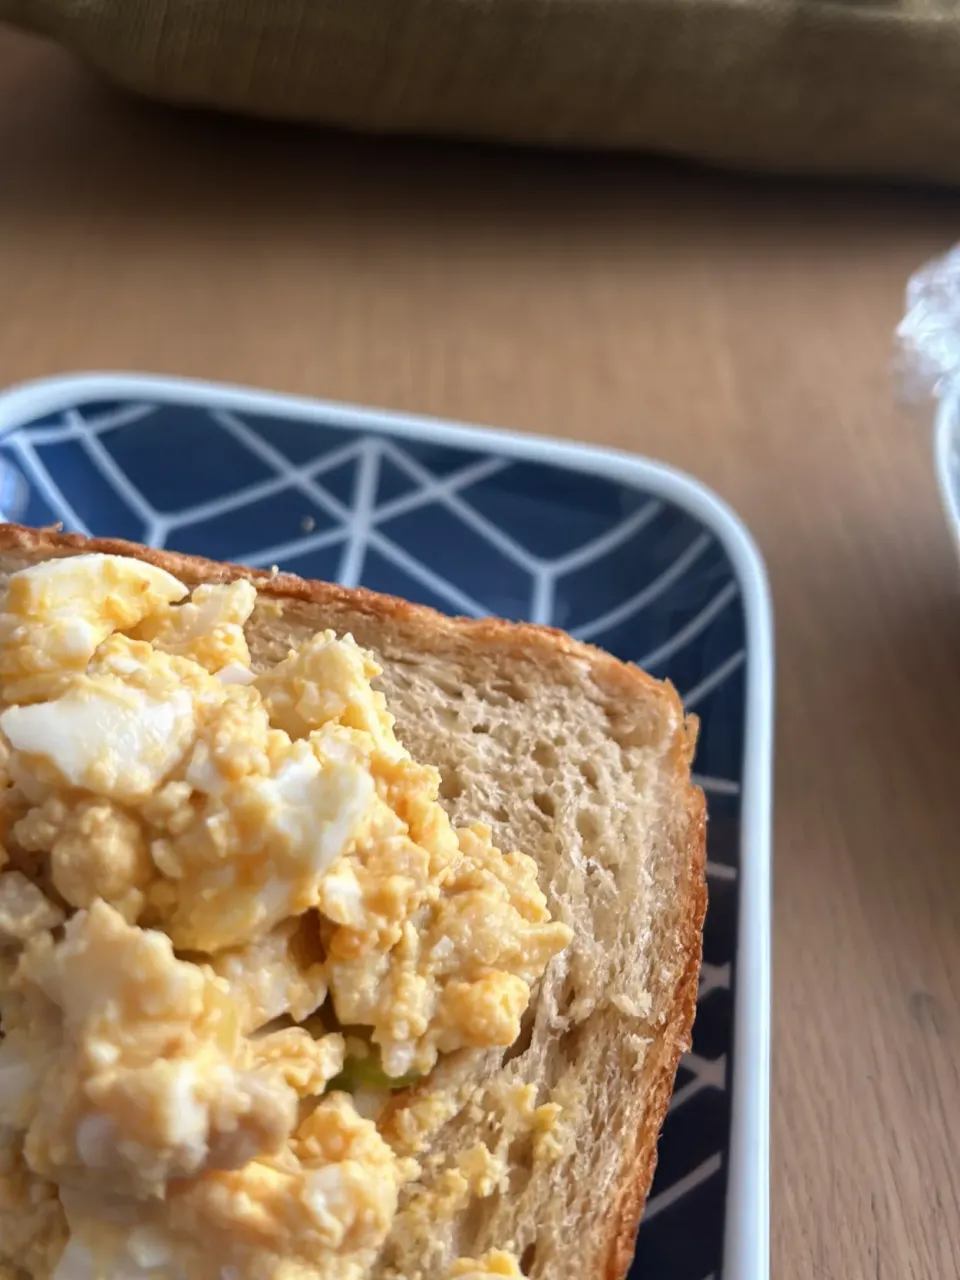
point(738, 329)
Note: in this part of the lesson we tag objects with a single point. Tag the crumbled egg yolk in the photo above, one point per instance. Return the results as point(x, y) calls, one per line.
point(204, 872)
point(492, 1266)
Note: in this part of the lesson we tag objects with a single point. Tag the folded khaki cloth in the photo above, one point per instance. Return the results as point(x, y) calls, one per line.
point(815, 86)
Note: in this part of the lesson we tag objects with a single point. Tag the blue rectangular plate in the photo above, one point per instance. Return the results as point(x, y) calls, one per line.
point(617, 550)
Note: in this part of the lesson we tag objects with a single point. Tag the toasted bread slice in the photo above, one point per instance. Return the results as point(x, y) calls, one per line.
point(583, 762)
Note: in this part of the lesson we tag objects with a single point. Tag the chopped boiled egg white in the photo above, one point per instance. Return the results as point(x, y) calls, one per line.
point(328, 682)
point(208, 628)
point(104, 736)
point(276, 976)
point(306, 817)
point(153, 1081)
point(264, 827)
point(55, 614)
point(205, 870)
point(25, 910)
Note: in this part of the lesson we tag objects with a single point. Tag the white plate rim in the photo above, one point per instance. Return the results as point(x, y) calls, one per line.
point(944, 443)
point(747, 1224)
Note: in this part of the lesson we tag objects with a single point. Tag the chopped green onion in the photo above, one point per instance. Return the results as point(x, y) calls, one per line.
point(367, 1073)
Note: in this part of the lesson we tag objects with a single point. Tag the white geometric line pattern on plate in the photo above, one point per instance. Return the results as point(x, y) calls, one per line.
point(606, 542)
point(720, 870)
point(266, 453)
point(267, 557)
point(90, 443)
point(713, 977)
point(426, 576)
point(648, 594)
point(362, 518)
point(86, 432)
point(708, 1073)
point(262, 489)
point(364, 497)
point(543, 572)
point(680, 1188)
point(92, 426)
point(273, 458)
point(46, 483)
point(359, 525)
point(548, 571)
point(464, 512)
point(715, 678)
point(443, 493)
point(434, 489)
point(717, 786)
point(693, 628)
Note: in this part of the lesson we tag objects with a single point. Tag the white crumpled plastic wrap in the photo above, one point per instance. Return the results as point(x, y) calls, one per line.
point(929, 333)
point(929, 364)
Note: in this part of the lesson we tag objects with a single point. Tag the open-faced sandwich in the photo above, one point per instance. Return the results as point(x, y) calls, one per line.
point(339, 940)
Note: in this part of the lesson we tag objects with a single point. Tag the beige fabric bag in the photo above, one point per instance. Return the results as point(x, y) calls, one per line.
point(823, 86)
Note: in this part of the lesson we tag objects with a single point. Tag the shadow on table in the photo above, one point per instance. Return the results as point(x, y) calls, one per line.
point(68, 141)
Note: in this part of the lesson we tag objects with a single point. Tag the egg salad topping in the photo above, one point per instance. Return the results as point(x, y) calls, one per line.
point(233, 918)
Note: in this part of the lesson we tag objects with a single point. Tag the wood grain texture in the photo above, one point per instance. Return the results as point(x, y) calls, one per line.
point(740, 330)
